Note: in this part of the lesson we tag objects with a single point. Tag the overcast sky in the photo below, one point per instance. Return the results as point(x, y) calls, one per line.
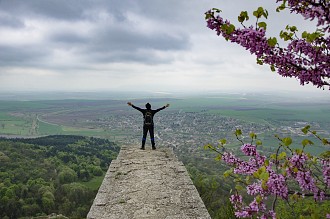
point(131, 45)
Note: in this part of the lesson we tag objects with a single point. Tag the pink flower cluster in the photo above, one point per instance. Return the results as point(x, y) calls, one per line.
point(253, 208)
point(301, 173)
point(249, 149)
point(302, 59)
point(312, 9)
point(268, 182)
point(245, 167)
point(277, 185)
point(326, 171)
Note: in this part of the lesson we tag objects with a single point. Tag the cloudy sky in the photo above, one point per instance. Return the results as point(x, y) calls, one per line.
point(131, 45)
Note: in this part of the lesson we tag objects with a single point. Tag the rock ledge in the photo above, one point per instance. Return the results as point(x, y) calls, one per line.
point(147, 184)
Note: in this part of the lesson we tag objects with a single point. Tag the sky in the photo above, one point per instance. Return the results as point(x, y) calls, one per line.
point(133, 45)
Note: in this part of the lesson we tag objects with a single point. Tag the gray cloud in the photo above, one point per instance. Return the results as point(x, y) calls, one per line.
point(10, 21)
point(22, 56)
point(114, 40)
point(93, 42)
point(59, 9)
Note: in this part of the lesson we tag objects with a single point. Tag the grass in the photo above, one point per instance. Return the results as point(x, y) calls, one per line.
point(12, 125)
point(94, 183)
point(49, 129)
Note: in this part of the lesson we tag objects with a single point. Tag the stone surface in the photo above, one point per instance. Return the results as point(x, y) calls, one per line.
point(147, 184)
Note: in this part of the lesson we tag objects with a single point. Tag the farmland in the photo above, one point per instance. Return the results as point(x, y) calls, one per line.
point(191, 121)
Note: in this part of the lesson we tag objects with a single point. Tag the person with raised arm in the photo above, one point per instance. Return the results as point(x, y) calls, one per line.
point(148, 122)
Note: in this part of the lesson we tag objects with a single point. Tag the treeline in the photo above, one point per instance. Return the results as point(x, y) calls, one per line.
point(46, 175)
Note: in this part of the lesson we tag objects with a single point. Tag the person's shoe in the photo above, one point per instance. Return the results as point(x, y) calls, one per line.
point(142, 148)
point(153, 148)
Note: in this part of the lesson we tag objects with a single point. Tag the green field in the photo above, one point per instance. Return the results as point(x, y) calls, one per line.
point(94, 184)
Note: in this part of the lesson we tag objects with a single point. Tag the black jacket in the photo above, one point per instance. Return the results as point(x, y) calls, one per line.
point(143, 111)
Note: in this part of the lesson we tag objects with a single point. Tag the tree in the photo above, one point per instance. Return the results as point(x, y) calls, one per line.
point(305, 57)
point(67, 175)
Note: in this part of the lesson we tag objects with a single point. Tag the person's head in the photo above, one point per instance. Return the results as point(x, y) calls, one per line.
point(148, 106)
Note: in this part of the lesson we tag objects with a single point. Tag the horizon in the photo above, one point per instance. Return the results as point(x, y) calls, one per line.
point(284, 96)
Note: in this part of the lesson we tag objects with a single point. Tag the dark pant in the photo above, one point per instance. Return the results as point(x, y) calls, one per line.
point(149, 128)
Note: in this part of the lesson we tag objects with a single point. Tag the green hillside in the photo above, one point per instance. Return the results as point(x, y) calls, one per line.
point(54, 174)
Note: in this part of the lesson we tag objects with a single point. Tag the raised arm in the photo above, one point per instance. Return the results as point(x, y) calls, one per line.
point(159, 109)
point(135, 107)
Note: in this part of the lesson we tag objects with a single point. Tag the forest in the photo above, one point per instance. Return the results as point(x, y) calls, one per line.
point(54, 174)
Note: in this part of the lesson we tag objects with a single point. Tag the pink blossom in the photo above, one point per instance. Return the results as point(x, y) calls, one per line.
point(249, 149)
point(277, 185)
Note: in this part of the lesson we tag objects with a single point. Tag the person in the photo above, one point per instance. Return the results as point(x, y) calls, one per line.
point(148, 123)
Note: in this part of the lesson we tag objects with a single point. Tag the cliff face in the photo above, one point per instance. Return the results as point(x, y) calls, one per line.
point(147, 184)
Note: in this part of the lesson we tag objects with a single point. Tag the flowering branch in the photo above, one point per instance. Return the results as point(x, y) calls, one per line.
point(306, 58)
point(277, 175)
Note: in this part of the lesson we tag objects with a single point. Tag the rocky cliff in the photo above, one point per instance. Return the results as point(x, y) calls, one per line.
point(147, 184)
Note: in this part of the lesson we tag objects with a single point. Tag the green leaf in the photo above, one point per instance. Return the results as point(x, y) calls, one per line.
point(293, 29)
point(306, 129)
point(325, 141)
point(287, 141)
point(272, 41)
point(281, 7)
point(259, 12)
point(261, 173)
point(208, 146)
point(238, 187)
point(304, 35)
point(248, 180)
point(230, 29)
point(243, 16)
point(299, 151)
point(216, 10)
point(218, 158)
point(208, 16)
point(264, 176)
point(258, 199)
point(272, 68)
point(227, 173)
point(260, 62)
point(295, 170)
point(238, 132)
point(265, 14)
point(281, 156)
point(252, 135)
point(262, 25)
point(306, 142)
point(311, 37)
point(258, 142)
point(266, 162)
point(325, 154)
point(264, 185)
point(223, 141)
point(256, 174)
